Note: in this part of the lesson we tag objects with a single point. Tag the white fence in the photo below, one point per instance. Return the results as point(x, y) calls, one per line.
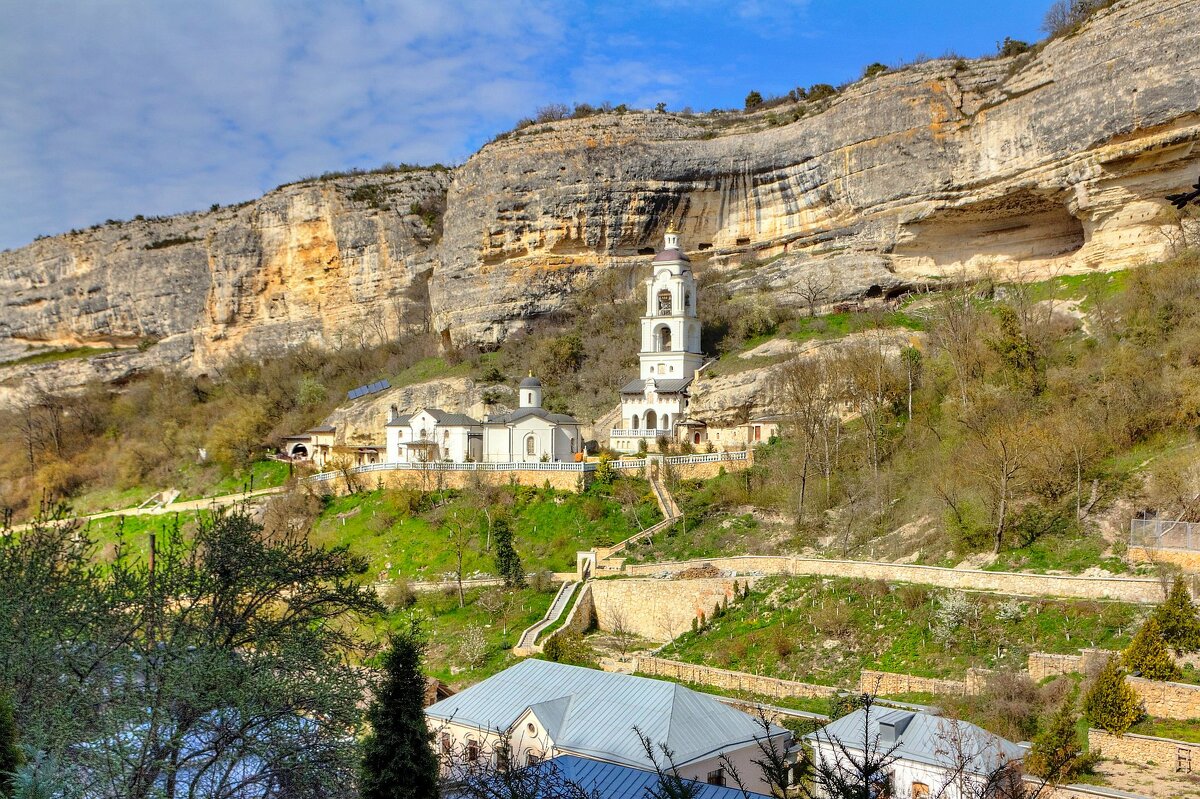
point(1164, 534)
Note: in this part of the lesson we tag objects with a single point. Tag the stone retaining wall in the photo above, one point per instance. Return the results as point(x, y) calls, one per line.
point(434, 480)
point(1089, 661)
point(731, 680)
point(885, 683)
point(1162, 755)
point(1126, 589)
point(1168, 700)
point(1186, 559)
point(705, 471)
point(660, 610)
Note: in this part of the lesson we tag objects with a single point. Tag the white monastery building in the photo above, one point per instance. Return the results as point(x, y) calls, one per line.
point(530, 434)
point(655, 405)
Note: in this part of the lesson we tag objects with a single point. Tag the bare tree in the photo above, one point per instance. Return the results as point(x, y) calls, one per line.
point(775, 765)
point(814, 289)
point(460, 531)
point(1003, 437)
point(671, 784)
point(808, 403)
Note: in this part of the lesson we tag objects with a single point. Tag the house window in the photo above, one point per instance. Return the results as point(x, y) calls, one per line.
point(695, 438)
point(532, 759)
point(666, 421)
point(633, 422)
point(447, 745)
point(529, 398)
point(757, 433)
point(920, 791)
point(472, 751)
point(530, 445)
point(716, 777)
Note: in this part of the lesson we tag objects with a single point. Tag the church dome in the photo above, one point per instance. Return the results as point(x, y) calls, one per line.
point(531, 382)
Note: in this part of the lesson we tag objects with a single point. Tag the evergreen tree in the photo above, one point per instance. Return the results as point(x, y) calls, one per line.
point(398, 759)
point(1057, 755)
point(1178, 619)
point(1111, 704)
point(10, 752)
point(508, 562)
point(1148, 656)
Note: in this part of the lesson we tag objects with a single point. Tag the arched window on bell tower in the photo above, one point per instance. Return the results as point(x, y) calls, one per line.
point(664, 302)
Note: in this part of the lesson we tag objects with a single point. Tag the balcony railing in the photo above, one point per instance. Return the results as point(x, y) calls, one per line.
point(618, 432)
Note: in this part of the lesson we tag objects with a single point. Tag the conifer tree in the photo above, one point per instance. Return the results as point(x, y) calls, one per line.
point(1111, 704)
point(1147, 654)
point(398, 758)
point(1178, 619)
point(508, 562)
point(10, 752)
point(1057, 755)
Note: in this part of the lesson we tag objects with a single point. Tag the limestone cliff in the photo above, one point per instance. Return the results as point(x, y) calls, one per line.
point(1049, 162)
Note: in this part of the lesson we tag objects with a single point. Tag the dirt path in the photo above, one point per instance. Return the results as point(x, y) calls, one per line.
point(174, 507)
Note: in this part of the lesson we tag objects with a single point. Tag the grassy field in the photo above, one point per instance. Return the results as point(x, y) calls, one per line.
point(446, 626)
point(1169, 728)
point(410, 533)
point(827, 631)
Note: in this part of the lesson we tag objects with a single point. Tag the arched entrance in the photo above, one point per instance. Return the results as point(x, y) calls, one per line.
point(299, 451)
point(651, 420)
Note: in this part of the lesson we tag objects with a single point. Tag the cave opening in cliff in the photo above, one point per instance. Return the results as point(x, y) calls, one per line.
point(1018, 227)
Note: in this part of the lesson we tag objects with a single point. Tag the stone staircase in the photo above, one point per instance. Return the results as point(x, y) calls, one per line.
point(605, 560)
point(527, 643)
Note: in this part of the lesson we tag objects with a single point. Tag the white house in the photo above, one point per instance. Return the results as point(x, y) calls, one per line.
point(546, 710)
point(927, 756)
point(655, 404)
point(529, 434)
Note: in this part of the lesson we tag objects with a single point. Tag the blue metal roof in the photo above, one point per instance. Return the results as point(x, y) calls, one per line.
point(612, 781)
point(593, 713)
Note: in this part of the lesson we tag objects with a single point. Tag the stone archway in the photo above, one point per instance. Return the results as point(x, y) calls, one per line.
point(651, 420)
point(299, 451)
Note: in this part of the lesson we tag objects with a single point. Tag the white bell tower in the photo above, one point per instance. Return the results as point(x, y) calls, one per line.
point(670, 328)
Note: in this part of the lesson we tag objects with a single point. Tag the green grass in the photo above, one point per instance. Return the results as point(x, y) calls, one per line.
point(1169, 728)
point(261, 474)
point(549, 527)
point(60, 354)
point(845, 323)
point(1072, 555)
point(445, 623)
point(1087, 287)
point(827, 631)
point(430, 369)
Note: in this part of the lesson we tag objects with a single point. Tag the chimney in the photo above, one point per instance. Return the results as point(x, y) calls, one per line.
point(892, 727)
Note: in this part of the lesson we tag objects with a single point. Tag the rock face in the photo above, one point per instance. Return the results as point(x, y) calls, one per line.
point(1044, 163)
point(307, 262)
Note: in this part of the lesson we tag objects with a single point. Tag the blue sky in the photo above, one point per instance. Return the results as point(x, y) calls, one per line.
point(111, 108)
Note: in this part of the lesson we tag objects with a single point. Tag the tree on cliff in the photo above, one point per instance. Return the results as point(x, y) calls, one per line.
point(508, 562)
point(1147, 654)
point(753, 100)
point(1178, 620)
point(1111, 703)
point(398, 760)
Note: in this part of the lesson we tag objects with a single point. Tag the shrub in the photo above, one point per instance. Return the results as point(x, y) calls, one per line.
point(551, 113)
point(821, 91)
point(1111, 704)
point(1010, 47)
point(568, 646)
point(753, 100)
point(912, 596)
point(1065, 16)
point(398, 595)
point(955, 610)
point(1147, 654)
point(1056, 754)
point(1178, 620)
point(874, 69)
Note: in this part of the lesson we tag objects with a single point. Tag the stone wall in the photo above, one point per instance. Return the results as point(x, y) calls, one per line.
point(731, 680)
point(436, 479)
point(1126, 589)
point(885, 683)
point(1158, 754)
point(1168, 700)
point(1043, 664)
point(1186, 559)
point(705, 471)
point(657, 609)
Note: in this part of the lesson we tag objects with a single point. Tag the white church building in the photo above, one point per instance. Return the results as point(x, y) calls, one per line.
point(655, 405)
point(529, 434)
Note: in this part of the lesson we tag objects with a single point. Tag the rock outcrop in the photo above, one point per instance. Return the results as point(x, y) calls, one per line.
point(1050, 162)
